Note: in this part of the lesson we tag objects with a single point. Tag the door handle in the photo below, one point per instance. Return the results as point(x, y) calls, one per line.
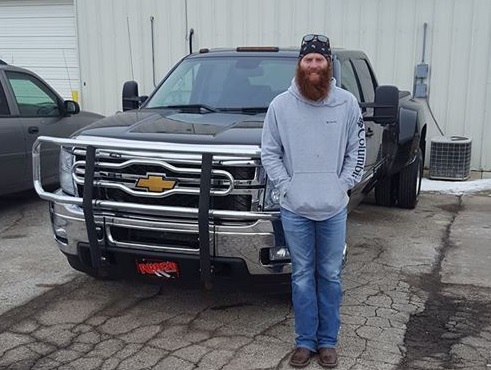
point(33, 130)
point(369, 132)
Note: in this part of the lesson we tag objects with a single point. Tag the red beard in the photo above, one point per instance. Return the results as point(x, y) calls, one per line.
point(311, 87)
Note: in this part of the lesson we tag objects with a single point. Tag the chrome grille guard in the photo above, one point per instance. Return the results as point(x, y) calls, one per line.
point(203, 214)
point(144, 152)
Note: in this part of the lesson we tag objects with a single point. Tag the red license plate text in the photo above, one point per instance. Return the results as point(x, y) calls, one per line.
point(163, 269)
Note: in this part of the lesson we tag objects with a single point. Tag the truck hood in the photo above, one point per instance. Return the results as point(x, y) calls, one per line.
point(166, 125)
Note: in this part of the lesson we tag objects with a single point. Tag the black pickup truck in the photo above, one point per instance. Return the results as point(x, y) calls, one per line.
point(173, 188)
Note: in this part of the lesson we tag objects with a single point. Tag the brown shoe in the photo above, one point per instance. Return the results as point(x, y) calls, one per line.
point(328, 357)
point(300, 357)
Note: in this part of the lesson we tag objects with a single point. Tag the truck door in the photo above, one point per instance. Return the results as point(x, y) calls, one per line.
point(351, 81)
point(374, 132)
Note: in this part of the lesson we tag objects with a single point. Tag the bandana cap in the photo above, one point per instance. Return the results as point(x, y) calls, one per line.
point(315, 44)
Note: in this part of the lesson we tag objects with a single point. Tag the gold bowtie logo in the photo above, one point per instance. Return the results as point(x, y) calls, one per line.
point(155, 184)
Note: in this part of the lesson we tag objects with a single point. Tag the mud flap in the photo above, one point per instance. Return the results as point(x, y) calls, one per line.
point(203, 220)
point(98, 260)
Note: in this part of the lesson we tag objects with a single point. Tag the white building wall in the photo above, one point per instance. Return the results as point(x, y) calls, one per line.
point(458, 46)
point(40, 35)
point(115, 46)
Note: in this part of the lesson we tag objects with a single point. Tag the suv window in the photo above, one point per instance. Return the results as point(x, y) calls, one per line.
point(33, 97)
point(348, 79)
point(4, 108)
point(225, 82)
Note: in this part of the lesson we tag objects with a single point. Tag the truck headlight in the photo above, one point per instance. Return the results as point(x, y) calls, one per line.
point(271, 197)
point(67, 183)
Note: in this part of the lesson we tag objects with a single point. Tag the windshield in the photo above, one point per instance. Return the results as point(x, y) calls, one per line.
point(225, 82)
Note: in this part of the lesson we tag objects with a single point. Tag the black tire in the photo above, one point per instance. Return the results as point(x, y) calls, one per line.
point(385, 191)
point(410, 183)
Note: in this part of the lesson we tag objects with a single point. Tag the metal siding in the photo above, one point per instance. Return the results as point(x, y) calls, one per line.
point(458, 46)
point(40, 36)
point(478, 89)
point(459, 77)
point(115, 46)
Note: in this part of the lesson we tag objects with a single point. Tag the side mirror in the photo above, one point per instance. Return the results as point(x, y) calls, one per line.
point(386, 107)
point(131, 100)
point(71, 107)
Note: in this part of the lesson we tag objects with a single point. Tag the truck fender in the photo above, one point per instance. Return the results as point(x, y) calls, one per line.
point(408, 121)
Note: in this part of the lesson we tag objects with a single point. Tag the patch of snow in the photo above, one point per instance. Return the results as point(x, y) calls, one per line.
point(455, 187)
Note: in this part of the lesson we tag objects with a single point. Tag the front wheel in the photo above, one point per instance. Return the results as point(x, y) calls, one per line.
point(385, 191)
point(410, 183)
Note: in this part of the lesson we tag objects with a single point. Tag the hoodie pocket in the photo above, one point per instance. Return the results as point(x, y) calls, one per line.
point(314, 192)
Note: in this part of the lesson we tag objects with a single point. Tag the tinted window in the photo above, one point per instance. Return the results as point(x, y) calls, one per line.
point(225, 82)
point(33, 97)
point(366, 79)
point(348, 79)
point(4, 108)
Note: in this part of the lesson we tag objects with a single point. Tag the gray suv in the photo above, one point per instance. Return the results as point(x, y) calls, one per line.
point(29, 108)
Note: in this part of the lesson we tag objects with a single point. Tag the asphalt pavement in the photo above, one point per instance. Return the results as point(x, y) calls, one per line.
point(417, 295)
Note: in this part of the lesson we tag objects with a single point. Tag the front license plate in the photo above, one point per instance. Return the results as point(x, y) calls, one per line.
point(162, 269)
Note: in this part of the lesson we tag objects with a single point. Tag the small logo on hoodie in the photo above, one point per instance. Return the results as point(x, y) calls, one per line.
point(330, 122)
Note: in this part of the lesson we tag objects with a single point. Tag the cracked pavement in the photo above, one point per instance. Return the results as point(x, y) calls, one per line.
point(417, 295)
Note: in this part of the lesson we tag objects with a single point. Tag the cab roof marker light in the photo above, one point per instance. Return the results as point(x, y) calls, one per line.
point(257, 48)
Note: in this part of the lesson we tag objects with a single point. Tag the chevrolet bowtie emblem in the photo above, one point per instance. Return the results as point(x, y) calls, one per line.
point(155, 184)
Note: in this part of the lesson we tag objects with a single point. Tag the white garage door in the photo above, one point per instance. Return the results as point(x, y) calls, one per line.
point(41, 35)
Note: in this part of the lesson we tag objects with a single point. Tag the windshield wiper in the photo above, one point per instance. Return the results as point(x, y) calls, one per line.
point(192, 108)
point(246, 110)
point(204, 108)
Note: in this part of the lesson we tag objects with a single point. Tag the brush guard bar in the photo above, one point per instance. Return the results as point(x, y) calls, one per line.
point(207, 154)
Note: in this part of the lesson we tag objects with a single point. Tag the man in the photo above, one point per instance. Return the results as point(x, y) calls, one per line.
point(313, 150)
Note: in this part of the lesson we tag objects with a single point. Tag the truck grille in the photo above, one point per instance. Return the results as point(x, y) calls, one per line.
point(229, 202)
point(156, 238)
point(233, 187)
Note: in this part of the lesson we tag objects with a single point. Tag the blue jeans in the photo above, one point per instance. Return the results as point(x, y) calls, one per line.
point(316, 250)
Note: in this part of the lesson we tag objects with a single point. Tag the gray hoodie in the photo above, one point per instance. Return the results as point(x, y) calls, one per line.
point(314, 152)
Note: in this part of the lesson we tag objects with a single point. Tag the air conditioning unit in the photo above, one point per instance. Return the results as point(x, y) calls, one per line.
point(450, 158)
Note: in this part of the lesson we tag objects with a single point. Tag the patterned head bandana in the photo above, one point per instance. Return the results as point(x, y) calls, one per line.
point(315, 44)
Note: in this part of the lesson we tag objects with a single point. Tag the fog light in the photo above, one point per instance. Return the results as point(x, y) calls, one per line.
point(279, 254)
point(58, 225)
point(61, 235)
point(60, 232)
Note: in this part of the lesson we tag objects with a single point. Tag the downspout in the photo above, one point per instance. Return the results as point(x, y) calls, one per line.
point(80, 68)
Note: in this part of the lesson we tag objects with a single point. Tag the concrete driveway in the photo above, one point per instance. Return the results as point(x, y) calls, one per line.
point(417, 295)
